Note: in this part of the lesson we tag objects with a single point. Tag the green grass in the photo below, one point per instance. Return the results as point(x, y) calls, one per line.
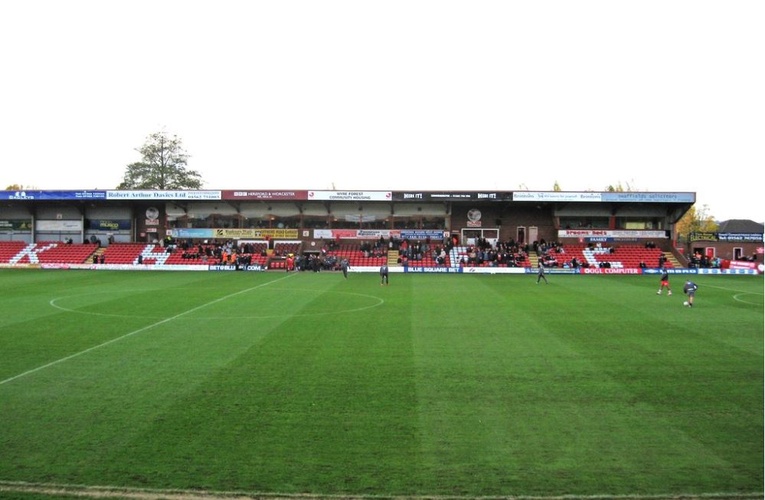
point(437, 385)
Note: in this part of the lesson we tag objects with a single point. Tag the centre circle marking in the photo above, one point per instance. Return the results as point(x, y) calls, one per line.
point(374, 301)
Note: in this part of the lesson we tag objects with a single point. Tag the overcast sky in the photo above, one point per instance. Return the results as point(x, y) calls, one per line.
point(392, 95)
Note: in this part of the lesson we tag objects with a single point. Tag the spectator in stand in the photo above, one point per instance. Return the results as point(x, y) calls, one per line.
point(549, 261)
point(472, 258)
point(441, 261)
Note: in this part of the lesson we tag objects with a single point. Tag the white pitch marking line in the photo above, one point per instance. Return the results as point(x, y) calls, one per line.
point(166, 320)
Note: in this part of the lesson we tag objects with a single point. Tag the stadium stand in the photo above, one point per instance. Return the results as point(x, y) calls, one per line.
point(124, 253)
point(622, 256)
point(9, 250)
point(45, 252)
point(56, 252)
point(287, 247)
point(469, 256)
point(357, 254)
point(357, 257)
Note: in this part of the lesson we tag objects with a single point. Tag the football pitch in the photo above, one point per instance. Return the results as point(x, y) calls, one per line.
point(269, 385)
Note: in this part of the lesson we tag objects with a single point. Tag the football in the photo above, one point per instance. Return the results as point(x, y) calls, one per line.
point(685, 303)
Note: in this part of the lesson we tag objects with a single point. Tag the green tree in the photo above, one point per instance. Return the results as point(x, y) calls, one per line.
point(163, 166)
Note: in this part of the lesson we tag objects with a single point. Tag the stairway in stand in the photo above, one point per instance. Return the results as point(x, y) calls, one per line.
point(99, 251)
point(392, 258)
point(533, 259)
point(672, 260)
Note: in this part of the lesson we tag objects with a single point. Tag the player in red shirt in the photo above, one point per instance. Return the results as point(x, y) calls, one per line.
point(664, 282)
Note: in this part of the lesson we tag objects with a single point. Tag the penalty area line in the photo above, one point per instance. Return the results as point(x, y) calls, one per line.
point(134, 332)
